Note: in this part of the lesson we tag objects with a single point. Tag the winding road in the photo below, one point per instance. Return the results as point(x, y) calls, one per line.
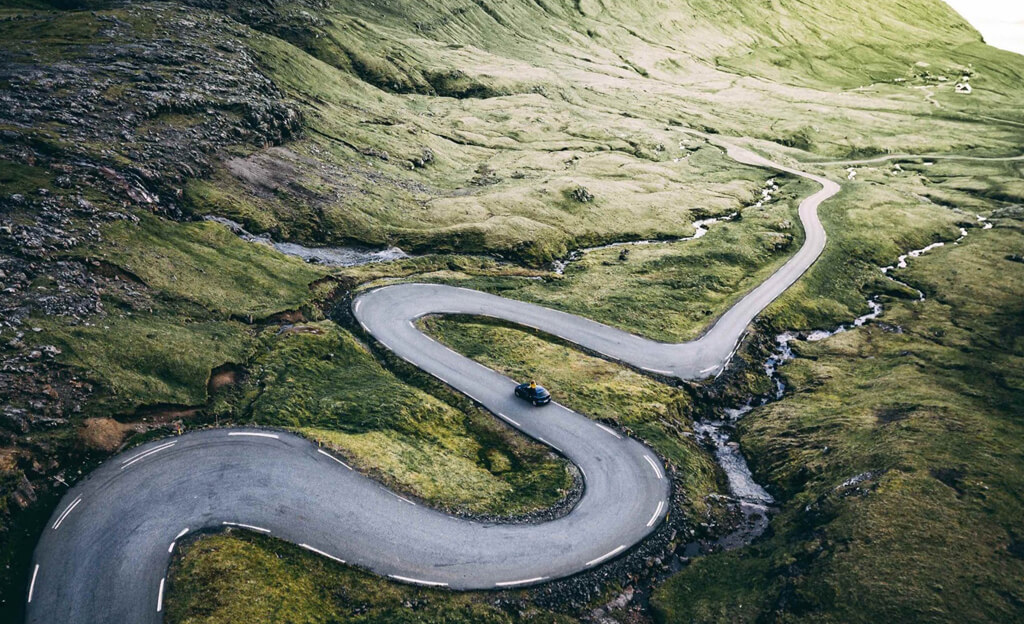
point(104, 555)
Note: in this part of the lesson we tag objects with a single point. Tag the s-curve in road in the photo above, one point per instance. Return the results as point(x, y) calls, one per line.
point(389, 313)
point(104, 555)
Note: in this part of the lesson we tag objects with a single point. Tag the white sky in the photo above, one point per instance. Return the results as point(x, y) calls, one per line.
point(1001, 22)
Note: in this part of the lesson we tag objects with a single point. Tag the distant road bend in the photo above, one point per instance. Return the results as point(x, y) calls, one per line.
point(104, 555)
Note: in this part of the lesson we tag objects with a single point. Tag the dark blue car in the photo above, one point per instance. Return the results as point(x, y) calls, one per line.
point(533, 393)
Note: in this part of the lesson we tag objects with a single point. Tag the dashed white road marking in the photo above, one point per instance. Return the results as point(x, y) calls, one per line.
point(660, 372)
point(334, 458)
point(246, 526)
point(67, 510)
point(611, 431)
point(654, 465)
point(321, 553)
point(177, 537)
point(417, 581)
point(542, 440)
point(504, 417)
point(401, 498)
point(160, 597)
point(32, 585)
point(359, 302)
point(607, 555)
point(255, 435)
point(657, 512)
point(142, 456)
point(522, 582)
point(146, 452)
point(709, 369)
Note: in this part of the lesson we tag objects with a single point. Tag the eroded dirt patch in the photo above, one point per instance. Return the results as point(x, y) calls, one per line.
point(105, 434)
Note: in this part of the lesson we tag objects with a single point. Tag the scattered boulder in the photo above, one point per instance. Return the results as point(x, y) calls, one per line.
point(582, 195)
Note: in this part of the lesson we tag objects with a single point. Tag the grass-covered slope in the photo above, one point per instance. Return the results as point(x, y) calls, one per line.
point(481, 119)
point(897, 459)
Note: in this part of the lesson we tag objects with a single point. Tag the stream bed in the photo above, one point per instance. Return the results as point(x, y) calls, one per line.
point(330, 256)
point(754, 502)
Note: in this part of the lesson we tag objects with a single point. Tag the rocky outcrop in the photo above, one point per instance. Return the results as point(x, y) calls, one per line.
point(103, 114)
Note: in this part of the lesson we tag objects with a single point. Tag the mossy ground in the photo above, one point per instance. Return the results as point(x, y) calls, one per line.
point(284, 583)
point(648, 409)
point(317, 379)
point(930, 413)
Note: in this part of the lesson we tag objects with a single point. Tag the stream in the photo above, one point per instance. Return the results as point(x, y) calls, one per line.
point(330, 256)
point(701, 227)
point(754, 502)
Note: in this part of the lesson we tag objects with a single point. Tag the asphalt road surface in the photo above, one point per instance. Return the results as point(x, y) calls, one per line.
point(104, 555)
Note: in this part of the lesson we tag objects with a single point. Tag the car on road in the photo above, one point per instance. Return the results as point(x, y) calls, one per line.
point(533, 393)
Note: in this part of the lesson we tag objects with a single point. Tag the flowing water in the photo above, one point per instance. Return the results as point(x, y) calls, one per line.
point(754, 501)
point(331, 256)
point(701, 228)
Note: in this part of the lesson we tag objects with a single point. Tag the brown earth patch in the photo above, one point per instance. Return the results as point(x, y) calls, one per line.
point(224, 376)
point(105, 434)
point(288, 316)
point(8, 459)
point(301, 329)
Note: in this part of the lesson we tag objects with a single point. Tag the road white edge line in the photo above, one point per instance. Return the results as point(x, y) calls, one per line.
point(417, 581)
point(67, 510)
point(255, 435)
point(657, 512)
point(334, 458)
point(160, 597)
point(401, 498)
point(146, 452)
point(611, 431)
point(542, 440)
point(246, 526)
point(32, 585)
point(660, 372)
point(654, 465)
point(321, 553)
point(504, 417)
point(143, 456)
point(607, 556)
point(522, 582)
